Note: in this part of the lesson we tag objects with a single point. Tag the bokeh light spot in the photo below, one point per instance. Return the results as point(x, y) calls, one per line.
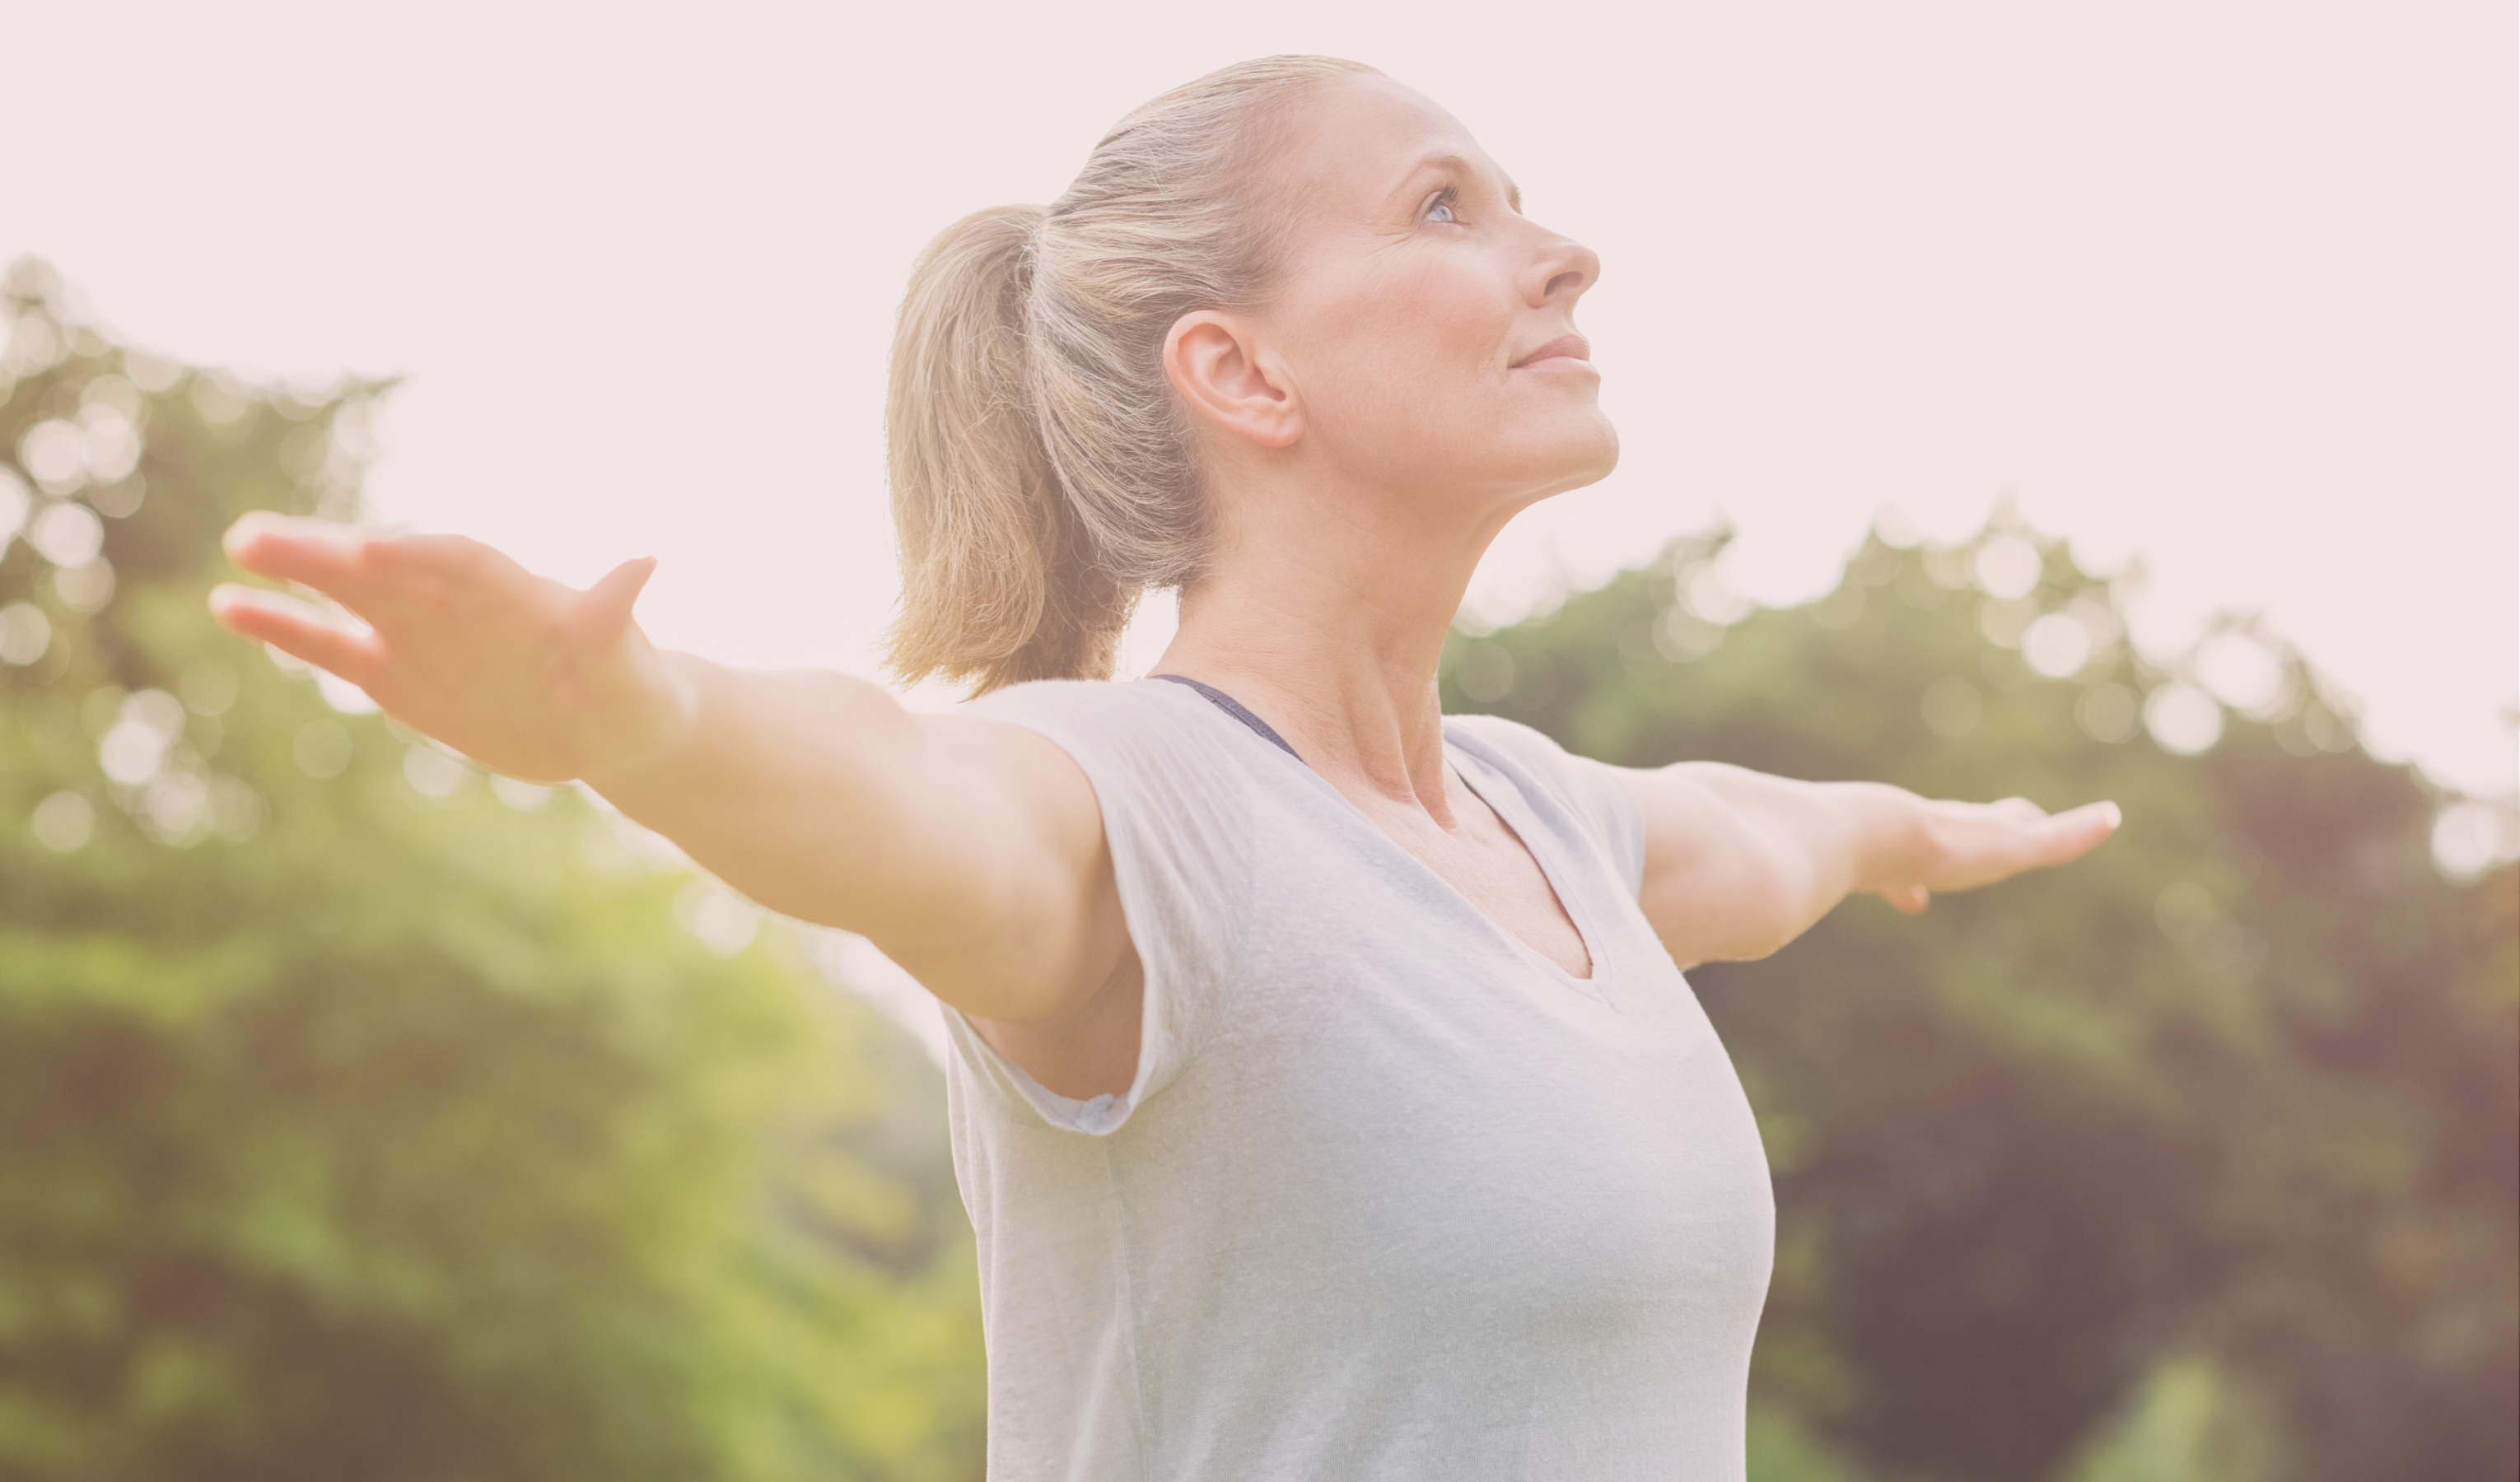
point(2239, 672)
point(85, 588)
point(2184, 719)
point(342, 695)
point(1706, 593)
point(25, 633)
point(2473, 836)
point(524, 798)
point(55, 452)
point(2057, 644)
point(68, 535)
point(63, 822)
point(131, 752)
point(111, 448)
point(431, 773)
point(2008, 568)
point(35, 345)
point(724, 921)
point(178, 806)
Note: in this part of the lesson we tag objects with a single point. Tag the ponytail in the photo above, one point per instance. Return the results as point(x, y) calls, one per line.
point(1042, 472)
point(1000, 583)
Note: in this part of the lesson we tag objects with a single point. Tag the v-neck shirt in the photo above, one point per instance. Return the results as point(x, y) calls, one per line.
point(1391, 1195)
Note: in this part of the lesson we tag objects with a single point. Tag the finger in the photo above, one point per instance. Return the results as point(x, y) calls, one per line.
point(1910, 900)
point(2073, 833)
point(2018, 810)
point(604, 610)
point(387, 578)
point(321, 554)
point(294, 628)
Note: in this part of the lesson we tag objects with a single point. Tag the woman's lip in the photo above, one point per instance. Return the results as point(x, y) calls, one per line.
point(1564, 347)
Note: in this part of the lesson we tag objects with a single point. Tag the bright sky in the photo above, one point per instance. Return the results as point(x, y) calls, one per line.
point(2227, 285)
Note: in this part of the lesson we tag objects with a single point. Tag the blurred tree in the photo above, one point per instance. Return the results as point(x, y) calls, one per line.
point(2233, 1103)
point(352, 1123)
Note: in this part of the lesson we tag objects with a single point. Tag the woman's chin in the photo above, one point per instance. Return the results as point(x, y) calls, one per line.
point(1591, 456)
point(1573, 462)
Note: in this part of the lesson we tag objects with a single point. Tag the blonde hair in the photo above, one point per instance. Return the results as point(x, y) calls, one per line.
point(1043, 471)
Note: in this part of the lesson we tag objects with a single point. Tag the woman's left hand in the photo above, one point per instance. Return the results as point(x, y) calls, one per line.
point(1737, 863)
point(1960, 846)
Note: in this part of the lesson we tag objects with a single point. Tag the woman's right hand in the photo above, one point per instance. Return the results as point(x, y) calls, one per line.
point(520, 673)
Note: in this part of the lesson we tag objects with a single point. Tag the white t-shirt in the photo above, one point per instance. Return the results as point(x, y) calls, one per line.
point(1392, 1195)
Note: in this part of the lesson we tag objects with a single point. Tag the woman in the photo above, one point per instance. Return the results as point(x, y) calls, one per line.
point(1327, 1097)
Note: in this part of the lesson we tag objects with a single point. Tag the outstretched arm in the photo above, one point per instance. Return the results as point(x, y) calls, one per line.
point(970, 852)
point(1739, 863)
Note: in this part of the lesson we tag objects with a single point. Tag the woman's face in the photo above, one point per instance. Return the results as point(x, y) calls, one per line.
point(1426, 324)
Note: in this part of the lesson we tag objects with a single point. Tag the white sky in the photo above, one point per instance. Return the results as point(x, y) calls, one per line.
point(2232, 286)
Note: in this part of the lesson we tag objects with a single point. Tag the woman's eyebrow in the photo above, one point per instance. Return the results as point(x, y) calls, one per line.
point(1461, 165)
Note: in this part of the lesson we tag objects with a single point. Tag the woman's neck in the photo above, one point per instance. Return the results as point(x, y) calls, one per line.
point(1330, 629)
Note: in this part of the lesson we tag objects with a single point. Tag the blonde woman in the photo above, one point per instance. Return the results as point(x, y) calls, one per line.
point(1326, 1096)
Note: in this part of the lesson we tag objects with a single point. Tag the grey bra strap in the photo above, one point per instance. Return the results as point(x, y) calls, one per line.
point(1234, 707)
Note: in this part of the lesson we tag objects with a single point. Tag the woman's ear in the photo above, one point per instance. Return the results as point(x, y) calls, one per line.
point(1216, 364)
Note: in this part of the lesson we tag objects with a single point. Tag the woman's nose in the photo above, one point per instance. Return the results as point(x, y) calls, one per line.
point(1562, 270)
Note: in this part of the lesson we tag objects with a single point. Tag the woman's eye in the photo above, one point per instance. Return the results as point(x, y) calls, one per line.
point(1441, 210)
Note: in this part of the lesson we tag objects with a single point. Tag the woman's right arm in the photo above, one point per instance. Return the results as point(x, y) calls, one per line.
point(972, 852)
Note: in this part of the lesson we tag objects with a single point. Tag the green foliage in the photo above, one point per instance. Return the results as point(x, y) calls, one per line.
point(353, 1123)
point(2190, 1420)
point(2238, 1092)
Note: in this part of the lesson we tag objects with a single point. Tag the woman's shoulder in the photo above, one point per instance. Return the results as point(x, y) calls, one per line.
point(1085, 700)
point(1590, 791)
point(1497, 740)
point(1142, 728)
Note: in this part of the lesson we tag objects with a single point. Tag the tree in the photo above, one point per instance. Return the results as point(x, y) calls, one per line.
point(2239, 1091)
point(353, 1122)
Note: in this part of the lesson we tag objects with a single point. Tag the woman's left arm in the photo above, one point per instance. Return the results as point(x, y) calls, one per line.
point(1737, 863)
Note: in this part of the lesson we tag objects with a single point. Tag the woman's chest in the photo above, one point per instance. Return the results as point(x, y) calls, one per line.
point(1449, 1119)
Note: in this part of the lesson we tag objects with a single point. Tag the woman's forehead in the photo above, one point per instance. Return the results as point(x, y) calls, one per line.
point(1369, 139)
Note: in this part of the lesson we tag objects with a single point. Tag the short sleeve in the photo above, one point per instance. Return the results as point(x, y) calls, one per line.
point(1592, 792)
point(1177, 816)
